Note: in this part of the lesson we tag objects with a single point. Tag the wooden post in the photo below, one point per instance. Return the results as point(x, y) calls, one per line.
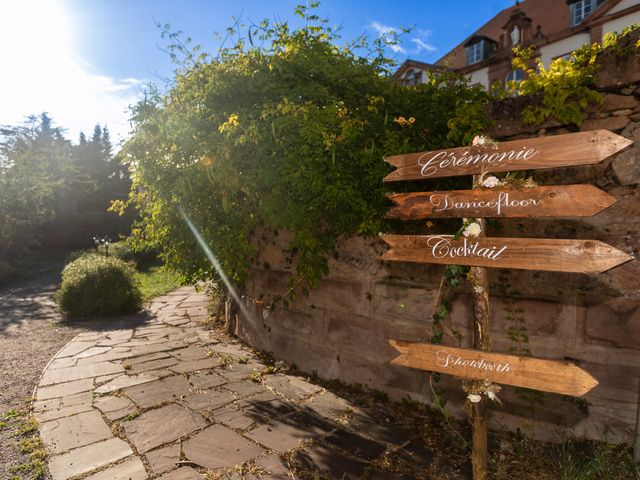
point(480, 295)
point(636, 446)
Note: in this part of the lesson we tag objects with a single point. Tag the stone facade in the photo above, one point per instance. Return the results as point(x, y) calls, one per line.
point(341, 329)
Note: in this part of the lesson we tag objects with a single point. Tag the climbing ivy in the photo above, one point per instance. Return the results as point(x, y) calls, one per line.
point(286, 129)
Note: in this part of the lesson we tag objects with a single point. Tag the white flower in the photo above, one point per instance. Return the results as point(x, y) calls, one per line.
point(490, 182)
point(478, 289)
point(474, 397)
point(472, 230)
point(491, 395)
point(479, 140)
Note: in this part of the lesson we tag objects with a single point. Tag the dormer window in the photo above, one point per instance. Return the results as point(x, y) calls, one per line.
point(581, 9)
point(475, 52)
point(413, 77)
point(515, 35)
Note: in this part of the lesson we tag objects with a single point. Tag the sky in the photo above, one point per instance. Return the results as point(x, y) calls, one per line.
point(85, 61)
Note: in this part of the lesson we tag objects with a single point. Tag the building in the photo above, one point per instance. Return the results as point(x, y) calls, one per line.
point(554, 27)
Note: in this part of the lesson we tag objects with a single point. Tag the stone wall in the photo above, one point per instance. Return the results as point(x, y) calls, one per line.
point(341, 329)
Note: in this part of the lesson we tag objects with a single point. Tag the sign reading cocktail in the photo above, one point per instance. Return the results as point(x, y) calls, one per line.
point(583, 256)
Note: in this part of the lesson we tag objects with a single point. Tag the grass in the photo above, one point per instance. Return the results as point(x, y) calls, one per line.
point(156, 280)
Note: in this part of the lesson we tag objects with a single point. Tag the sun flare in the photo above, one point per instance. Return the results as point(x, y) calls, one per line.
point(33, 29)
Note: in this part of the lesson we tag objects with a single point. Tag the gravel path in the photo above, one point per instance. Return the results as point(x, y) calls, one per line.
point(31, 332)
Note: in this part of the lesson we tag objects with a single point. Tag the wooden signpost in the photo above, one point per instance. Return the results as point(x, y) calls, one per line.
point(557, 201)
point(544, 375)
point(567, 150)
point(479, 252)
point(580, 256)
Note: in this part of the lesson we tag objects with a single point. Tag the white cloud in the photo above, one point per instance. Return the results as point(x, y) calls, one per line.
point(422, 45)
point(388, 32)
point(382, 29)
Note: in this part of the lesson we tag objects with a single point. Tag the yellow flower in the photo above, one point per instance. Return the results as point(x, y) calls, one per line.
point(412, 120)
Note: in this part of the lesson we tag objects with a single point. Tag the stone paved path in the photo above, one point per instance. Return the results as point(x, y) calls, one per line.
point(171, 400)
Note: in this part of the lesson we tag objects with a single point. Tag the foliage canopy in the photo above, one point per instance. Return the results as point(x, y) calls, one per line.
point(286, 129)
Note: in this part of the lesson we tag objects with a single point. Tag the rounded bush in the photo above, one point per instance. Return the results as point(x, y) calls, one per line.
point(98, 286)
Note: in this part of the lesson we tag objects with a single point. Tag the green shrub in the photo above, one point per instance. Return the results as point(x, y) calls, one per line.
point(98, 286)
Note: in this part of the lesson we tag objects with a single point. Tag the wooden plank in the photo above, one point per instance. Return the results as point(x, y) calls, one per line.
point(585, 256)
point(544, 375)
point(553, 201)
point(570, 149)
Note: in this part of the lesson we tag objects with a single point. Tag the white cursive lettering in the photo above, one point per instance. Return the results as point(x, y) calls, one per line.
point(446, 360)
point(442, 202)
point(431, 165)
point(441, 248)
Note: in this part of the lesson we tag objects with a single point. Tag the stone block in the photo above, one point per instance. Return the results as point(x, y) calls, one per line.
point(163, 459)
point(218, 447)
point(296, 322)
point(75, 431)
point(626, 167)
point(609, 123)
point(614, 101)
point(346, 296)
point(160, 391)
point(402, 300)
point(62, 389)
point(130, 469)
point(616, 323)
point(84, 459)
point(161, 426)
point(353, 332)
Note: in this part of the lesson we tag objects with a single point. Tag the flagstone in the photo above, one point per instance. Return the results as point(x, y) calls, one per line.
point(190, 353)
point(195, 365)
point(287, 433)
point(209, 400)
point(233, 418)
point(73, 348)
point(75, 431)
point(60, 375)
point(46, 410)
point(153, 365)
point(117, 353)
point(245, 388)
point(114, 407)
point(147, 358)
point(218, 447)
point(85, 459)
point(123, 381)
point(64, 362)
point(163, 459)
point(90, 352)
point(161, 426)
point(158, 392)
point(182, 473)
point(130, 469)
point(61, 389)
point(207, 379)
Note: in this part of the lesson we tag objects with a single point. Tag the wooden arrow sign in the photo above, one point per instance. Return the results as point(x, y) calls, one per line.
point(545, 375)
point(570, 149)
point(583, 256)
point(556, 201)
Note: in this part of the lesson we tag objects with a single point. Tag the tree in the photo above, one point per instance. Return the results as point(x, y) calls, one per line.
point(35, 164)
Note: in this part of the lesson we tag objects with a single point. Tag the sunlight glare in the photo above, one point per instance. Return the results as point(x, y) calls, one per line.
point(32, 30)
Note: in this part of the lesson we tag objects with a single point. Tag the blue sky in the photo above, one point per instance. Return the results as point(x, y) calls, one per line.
point(84, 61)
